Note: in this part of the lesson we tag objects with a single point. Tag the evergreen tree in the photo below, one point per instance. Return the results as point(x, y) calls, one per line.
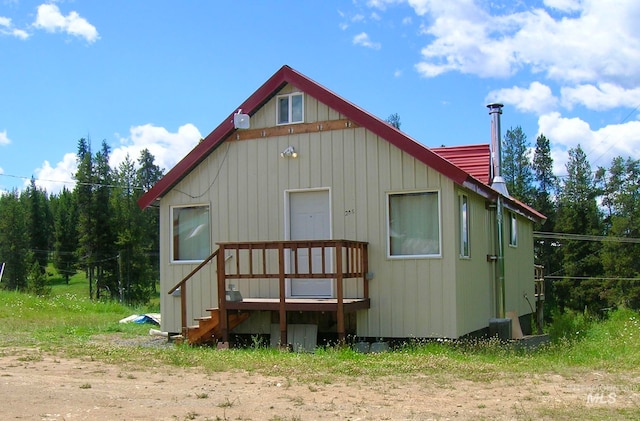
point(66, 233)
point(14, 244)
point(516, 165)
point(87, 226)
point(148, 172)
point(394, 120)
point(578, 214)
point(621, 199)
point(544, 196)
point(37, 281)
point(147, 175)
point(136, 280)
point(39, 224)
point(106, 251)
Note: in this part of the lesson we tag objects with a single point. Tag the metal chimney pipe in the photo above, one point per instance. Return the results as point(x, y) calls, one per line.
point(497, 182)
point(499, 185)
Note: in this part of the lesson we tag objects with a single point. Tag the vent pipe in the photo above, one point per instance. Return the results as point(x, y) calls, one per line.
point(497, 182)
point(499, 185)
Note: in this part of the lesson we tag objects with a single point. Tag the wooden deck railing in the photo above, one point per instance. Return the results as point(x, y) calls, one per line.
point(282, 260)
point(182, 285)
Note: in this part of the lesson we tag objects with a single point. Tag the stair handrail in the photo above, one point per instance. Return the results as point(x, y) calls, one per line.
point(183, 287)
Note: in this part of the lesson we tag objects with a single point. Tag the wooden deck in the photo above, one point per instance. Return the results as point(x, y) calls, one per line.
point(279, 261)
point(300, 304)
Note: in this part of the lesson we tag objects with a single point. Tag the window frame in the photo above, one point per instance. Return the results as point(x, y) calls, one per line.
point(438, 219)
point(290, 113)
point(172, 209)
point(464, 225)
point(513, 230)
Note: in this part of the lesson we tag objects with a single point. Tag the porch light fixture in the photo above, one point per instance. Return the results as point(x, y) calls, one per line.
point(290, 152)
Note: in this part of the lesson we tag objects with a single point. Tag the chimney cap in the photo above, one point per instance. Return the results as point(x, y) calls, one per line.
point(495, 107)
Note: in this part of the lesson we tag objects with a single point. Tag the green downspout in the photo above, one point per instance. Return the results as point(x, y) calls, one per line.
point(500, 293)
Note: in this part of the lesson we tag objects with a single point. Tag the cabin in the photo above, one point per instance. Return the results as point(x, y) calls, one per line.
point(303, 214)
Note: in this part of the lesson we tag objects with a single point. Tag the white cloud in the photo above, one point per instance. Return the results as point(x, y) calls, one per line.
point(4, 139)
point(604, 96)
point(601, 145)
point(50, 19)
point(167, 148)
point(563, 5)
point(537, 98)
point(363, 40)
point(53, 179)
point(397, 73)
point(382, 4)
point(469, 39)
point(7, 28)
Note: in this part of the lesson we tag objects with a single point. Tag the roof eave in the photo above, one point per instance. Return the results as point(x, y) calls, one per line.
point(212, 140)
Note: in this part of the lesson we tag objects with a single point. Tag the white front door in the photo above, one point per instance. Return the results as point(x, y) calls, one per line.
point(309, 220)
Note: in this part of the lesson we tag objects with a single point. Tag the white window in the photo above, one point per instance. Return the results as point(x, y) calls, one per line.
point(414, 224)
point(464, 225)
point(290, 108)
point(513, 230)
point(190, 233)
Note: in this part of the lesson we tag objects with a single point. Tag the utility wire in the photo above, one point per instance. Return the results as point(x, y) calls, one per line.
point(613, 143)
point(593, 278)
point(114, 186)
point(224, 159)
point(582, 237)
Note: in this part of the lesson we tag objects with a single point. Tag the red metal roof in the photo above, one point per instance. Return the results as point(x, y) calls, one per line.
point(474, 159)
point(286, 74)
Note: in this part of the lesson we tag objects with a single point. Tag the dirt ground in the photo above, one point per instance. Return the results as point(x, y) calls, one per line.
point(40, 386)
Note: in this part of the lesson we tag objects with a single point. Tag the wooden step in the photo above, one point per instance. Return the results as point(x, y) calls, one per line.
point(208, 327)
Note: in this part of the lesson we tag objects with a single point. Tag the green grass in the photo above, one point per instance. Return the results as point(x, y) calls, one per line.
point(72, 324)
point(68, 324)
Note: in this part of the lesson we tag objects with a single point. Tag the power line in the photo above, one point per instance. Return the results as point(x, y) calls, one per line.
point(114, 186)
point(612, 144)
point(583, 237)
point(591, 278)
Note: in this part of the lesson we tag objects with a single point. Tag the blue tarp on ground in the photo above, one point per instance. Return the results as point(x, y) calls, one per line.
point(143, 318)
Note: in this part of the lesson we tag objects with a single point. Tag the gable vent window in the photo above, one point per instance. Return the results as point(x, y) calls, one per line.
point(290, 108)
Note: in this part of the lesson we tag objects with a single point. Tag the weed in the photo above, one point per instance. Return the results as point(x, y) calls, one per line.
point(227, 403)
point(85, 386)
point(298, 400)
point(202, 395)
point(191, 415)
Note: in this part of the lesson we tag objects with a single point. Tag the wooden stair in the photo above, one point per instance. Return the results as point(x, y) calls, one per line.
point(208, 328)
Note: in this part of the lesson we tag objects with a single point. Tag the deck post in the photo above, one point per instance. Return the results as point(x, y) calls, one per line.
point(365, 270)
point(222, 299)
point(339, 288)
point(282, 309)
point(183, 309)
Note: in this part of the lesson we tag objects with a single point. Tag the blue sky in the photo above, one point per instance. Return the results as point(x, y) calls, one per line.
point(163, 74)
